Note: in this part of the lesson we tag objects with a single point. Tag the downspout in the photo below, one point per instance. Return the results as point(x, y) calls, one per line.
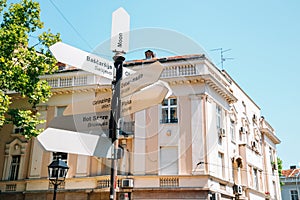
point(204, 125)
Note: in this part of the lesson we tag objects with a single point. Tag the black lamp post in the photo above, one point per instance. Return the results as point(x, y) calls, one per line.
point(57, 172)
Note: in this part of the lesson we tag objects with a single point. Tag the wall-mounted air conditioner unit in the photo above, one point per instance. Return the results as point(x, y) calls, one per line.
point(214, 196)
point(127, 183)
point(238, 189)
point(222, 132)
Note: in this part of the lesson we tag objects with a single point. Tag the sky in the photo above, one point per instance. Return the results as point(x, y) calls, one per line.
point(261, 40)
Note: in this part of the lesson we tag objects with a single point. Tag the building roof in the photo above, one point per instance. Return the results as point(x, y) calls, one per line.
point(163, 60)
point(131, 63)
point(290, 172)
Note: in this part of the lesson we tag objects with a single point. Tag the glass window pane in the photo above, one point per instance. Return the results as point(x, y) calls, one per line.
point(173, 113)
point(173, 102)
point(164, 115)
point(165, 102)
point(14, 168)
point(169, 111)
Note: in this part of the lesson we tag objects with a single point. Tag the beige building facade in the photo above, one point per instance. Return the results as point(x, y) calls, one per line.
point(208, 140)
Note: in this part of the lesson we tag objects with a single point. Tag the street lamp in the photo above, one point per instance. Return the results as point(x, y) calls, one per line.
point(57, 172)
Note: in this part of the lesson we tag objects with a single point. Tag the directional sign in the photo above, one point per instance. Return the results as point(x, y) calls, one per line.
point(85, 134)
point(141, 78)
point(93, 123)
point(59, 140)
point(86, 61)
point(99, 104)
point(147, 97)
point(120, 31)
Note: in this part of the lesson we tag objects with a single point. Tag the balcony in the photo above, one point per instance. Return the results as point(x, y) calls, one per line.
point(159, 182)
point(268, 130)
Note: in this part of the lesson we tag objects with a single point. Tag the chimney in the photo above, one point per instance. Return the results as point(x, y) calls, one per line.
point(293, 167)
point(149, 54)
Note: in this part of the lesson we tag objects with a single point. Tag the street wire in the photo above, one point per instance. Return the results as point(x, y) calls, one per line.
point(71, 25)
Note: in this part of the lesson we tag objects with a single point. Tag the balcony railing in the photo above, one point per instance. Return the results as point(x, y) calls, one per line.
point(170, 182)
point(10, 187)
point(69, 81)
point(105, 183)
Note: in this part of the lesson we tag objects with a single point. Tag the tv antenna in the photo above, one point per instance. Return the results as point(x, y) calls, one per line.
point(222, 58)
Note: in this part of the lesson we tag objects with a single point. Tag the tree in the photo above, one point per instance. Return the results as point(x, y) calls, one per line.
point(279, 164)
point(21, 64)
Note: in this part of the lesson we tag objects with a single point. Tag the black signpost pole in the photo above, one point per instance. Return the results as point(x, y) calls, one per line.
point(114, 122)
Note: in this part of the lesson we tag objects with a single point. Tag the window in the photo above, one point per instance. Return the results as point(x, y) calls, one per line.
point(60, 155)
point(18, 130)
point(271, 155)
point(232, 131)
point(218, 123)
point(60, 110)
point(219, 116)
point(294, 195)
point(221, 165)
point(169, 111)
point(255, 178)
point(14, 167)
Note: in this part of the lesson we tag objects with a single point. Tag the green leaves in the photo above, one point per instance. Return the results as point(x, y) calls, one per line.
point(27, 120)
point(4, 103)
point(21, 65)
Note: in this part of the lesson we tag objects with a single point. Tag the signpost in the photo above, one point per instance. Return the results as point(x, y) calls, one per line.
point(140, 100)
point(141, 79)
point(137, 91)
point(120, 31)
point(86, 133)
point(89, 62)
point(75, 142)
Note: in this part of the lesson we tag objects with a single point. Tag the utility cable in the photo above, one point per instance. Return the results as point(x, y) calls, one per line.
point(71, 25)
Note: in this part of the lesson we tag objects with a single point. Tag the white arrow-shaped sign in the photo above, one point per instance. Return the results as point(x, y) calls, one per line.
point(120, 31)
point(140, 79)
point(89, 62)
point(145, 98)
point(59, 140)
point(85, 134)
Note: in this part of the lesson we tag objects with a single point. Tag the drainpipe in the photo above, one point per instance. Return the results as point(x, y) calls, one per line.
point(204, 125)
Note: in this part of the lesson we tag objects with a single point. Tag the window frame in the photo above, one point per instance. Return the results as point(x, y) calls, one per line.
point(232, 131)
point(294, 196)
point(169, 107)
point(59, 110)
point(255, 178)
point(221, 164)
point(219, 124)
point(14, 168)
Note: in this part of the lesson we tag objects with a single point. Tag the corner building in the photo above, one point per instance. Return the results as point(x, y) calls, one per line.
point(208, 140)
